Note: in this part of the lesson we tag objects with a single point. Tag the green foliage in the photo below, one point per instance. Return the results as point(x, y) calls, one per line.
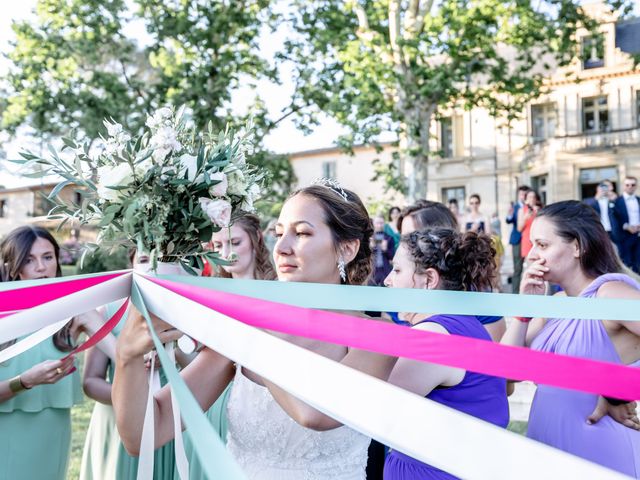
point(74, 64)
point(389, 65)
point(104, 261)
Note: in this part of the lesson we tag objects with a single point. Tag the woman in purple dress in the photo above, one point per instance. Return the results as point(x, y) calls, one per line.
point(437, 259)
point(572, 249)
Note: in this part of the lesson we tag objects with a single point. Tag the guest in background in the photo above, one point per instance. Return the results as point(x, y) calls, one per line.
point(39, 386)
point(474, 221)
point(627, 215)
point(383, 248)
point(515, 238)
point(604, 204)
point(526, 215)
point(391, 228)
point(454, 208)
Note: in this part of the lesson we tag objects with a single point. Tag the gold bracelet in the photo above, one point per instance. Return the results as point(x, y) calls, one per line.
point(16, 385)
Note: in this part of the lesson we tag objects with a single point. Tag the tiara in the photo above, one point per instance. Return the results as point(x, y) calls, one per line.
point(331, 184)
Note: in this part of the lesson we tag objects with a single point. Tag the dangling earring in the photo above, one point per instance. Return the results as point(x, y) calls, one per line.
point(342, 270)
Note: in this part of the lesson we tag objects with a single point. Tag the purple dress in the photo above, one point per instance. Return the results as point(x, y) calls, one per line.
point(558, 416)
point(480, 395)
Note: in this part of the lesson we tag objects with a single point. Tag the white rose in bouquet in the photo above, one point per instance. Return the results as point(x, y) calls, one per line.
point(117, 176)
point(219, 211)
point(219, 189)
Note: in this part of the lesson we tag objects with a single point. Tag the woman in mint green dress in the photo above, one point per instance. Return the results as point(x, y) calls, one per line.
point(38, 387)
point(104, 457)
point(246, 243)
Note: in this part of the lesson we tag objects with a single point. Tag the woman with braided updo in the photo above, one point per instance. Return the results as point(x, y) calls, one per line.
point(443, 259)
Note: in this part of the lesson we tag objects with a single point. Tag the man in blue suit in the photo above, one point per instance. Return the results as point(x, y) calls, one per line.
point(627, 214)
point(604, 205)
point(516, 238)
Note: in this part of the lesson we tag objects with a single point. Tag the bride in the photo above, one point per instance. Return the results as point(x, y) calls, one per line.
point(323, 236)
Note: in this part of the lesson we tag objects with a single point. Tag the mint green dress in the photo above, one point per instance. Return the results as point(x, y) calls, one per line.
point(104, 457)
point(35, 425)
point(217, 416)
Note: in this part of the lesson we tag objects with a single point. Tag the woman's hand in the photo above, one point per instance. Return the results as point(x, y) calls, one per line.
point(532, 280)
point(48, 372)
point(135, 340)
point(624, 414)
point(88, 323)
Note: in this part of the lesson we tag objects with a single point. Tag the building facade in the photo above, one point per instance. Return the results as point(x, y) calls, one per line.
point(584, 129)
point(29, 205)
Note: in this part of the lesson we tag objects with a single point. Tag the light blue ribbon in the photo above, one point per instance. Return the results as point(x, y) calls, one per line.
point(377, 299)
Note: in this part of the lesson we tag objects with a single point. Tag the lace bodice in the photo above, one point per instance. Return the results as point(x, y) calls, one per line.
point(269, 445)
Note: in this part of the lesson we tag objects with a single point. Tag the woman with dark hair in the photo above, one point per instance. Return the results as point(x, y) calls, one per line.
point(425, 214)
point(526, 215)
point(38, 387)
point(475, 221)
point(323, 236)
point(435, 259)
point(391, 227)
point(572, 249)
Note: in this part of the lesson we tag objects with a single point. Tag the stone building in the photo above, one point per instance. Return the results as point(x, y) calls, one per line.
point(584, 129)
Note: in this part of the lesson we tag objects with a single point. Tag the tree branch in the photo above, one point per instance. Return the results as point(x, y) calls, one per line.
point(394, 32)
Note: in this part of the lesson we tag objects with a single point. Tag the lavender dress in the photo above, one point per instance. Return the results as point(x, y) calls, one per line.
point(558, 416)
point(480, 395)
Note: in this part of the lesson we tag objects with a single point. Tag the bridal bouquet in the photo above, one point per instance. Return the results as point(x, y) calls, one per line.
point(164, 191)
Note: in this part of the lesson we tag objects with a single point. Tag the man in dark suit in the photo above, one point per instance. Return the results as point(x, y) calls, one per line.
point(604, 204)
point(516, 238)
point(627, 214)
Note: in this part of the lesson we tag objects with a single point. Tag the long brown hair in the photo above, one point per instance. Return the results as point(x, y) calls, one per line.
point(573, 220)
point(348, 219)
point(263, 269)
point(14, 252)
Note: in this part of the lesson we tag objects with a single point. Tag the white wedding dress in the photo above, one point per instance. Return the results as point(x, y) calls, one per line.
point(269, 445)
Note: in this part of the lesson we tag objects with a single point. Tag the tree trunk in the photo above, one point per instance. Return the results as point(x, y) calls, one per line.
point(414, 143)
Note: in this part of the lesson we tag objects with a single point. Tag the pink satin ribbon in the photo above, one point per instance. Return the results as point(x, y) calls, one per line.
point(480, 356)
point(28, 297)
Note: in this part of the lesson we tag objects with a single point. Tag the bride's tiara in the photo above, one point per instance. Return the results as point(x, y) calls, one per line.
point(331, 184)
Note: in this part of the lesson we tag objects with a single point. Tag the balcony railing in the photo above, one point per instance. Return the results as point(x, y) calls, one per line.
point(598, 140)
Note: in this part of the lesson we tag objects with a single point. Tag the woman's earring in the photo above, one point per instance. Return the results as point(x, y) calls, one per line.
point(342, 270)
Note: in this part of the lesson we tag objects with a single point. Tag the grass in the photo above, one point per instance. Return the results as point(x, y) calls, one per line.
point(517, 427)
point(80, 416)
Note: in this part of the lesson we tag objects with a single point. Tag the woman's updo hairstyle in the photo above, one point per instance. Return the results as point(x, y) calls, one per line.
point(428, 214)
point(465, 261)
point(348, 219)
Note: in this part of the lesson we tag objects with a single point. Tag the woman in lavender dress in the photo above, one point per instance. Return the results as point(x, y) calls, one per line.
point(430, 259)
point(572, 249)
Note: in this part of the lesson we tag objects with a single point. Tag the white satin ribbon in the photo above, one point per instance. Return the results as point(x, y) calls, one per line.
point(31, 341)
point(418, 427)
point(35, 318)
point(146, 460)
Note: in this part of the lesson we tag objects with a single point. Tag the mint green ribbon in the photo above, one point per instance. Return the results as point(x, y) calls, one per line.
point(216, 461)
point(377, 299)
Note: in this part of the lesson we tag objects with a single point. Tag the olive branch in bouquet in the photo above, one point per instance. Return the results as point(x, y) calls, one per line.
point(165, 191)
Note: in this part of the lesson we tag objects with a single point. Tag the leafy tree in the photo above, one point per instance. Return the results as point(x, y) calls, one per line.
point(74, 65)
point(391, 65)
